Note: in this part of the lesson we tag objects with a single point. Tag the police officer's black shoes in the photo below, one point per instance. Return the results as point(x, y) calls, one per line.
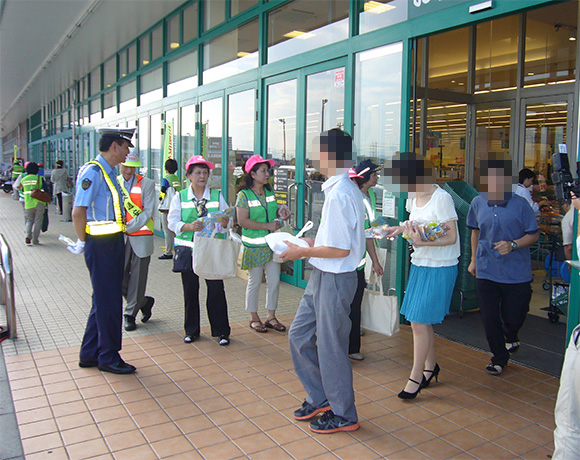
point(130, 323)
point(120, 368)
point(88, 363)
point(165, 256)
point(146, 309)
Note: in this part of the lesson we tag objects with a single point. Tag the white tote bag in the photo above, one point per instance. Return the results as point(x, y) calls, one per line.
point(216, 258)
point(380, 313)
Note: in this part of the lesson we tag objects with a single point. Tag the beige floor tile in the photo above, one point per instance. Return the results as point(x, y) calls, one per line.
point(87, 449)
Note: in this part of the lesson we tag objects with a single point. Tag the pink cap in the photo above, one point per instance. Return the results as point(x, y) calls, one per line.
point(198, 160)
point(352, 174)
point(257, 159)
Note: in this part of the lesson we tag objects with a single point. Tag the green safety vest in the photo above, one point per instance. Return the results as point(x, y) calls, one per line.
point(29, 183)
point(259, 213)
point(189, 214)
point(370, 215)
point(174, 181)
point(17, 170)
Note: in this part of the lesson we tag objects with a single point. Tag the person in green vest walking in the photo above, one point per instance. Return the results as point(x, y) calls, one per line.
point(366, 176)
point(33, 209)
point(185, 211)
point(170, 185)
point(258, 215)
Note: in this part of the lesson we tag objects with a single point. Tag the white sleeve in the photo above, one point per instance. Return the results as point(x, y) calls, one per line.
point(174, 221)
point(446, 208)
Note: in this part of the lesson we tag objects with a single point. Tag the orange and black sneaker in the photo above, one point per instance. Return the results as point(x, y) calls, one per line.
point(307, 411)
point(331, 423)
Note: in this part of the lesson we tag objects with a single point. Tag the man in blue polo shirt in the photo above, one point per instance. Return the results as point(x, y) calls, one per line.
point(503, 227)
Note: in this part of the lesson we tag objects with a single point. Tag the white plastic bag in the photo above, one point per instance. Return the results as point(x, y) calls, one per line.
point(380, 313)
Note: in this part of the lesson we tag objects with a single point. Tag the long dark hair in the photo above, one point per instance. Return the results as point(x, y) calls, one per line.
point(248, 181)
point(360, 181)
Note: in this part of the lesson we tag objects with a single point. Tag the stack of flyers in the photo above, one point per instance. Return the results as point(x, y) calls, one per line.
point(378, 229)
point(430, 231)
point(213, 221)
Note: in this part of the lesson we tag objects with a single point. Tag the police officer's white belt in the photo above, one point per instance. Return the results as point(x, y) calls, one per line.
point(96, 228)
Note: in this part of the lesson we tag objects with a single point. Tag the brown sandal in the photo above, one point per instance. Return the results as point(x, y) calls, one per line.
point(258, 326)
point(277, 325)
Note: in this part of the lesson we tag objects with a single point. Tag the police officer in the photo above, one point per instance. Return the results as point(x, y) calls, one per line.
point(98, 221)
point(139, 194)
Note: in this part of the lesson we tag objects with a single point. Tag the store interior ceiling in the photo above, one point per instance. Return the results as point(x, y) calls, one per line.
point(62, 40)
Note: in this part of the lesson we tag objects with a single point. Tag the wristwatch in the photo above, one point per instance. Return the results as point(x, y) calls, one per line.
point(514, 245)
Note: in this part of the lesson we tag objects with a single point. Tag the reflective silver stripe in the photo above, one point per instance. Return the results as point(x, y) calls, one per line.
point(212, 204)
point(254, 203)
point(179, 242)
point(270, 198)
point(362, 263)
point(187, 205)
point(247, 239)
point(370, 212)
point(28, 192)
point(135, 190)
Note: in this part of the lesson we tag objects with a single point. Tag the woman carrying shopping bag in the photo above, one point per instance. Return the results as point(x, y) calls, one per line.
point(185, 211)
point(365, 176)
point(258, 215)
point(433, 261)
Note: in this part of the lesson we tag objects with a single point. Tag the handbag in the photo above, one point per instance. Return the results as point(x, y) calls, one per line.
point(216, 258)
point(41, 195)
point(182, 260)
point(379, 313)
point(44, 227)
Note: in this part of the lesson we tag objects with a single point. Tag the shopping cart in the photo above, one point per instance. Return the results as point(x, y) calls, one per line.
point(557, 280)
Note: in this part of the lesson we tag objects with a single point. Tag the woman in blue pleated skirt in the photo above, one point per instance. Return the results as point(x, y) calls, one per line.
point(433, 260)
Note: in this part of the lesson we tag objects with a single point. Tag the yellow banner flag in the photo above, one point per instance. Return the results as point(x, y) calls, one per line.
point(15, 153)
point(204, 140)
point(168, 144)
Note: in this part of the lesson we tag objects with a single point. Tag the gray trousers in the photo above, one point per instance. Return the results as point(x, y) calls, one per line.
point(134, 280)
point(272, 270)
point(33, 221)
point(319, 341)
point(169, 235)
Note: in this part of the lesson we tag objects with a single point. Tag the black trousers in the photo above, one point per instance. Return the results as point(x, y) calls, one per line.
point(355, 313)
point(503, 311)
point(217, 306)
point(59, 199)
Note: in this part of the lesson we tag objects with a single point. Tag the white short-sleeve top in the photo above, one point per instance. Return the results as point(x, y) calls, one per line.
point(439, 208)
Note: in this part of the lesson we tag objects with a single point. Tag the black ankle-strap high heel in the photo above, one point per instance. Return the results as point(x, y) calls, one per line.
point(434, 373)
point(406, 395)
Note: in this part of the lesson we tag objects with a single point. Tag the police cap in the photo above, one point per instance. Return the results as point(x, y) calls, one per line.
point(118, 133)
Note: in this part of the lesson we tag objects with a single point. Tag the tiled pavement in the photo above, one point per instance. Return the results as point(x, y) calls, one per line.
point(205, 401)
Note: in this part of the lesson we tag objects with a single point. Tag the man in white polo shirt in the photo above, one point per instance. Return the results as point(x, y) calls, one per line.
point(319, 334)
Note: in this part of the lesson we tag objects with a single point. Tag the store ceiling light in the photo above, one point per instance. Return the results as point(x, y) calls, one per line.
point(174, 45)
point(243, 53)
point(378, 7)
point(299, 34)
point(145, 62)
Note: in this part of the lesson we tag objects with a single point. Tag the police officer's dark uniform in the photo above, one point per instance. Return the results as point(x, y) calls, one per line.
point(104, 248)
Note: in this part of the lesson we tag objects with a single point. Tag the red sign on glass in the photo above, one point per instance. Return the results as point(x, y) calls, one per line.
point(338, 78)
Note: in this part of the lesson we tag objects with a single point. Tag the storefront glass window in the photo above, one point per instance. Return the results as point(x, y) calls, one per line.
point(496, 55)
point(231, 53)
point(110, 72)
point(545, 129)
point(445, 138)
point(128, 96)
point(188, 119)
point(241, 119)
point(492, 133)
point(172, 25)
point(382, 13)
point(123, 63)
point(95, 77)
point(143, 142)
point(156, 140)
point(144, 51)
point(550, 55)
point(151, 86)
point(448, 56)
point(132, 52)
point(304, 25)
point(182, 74)
point(237, 6)
point(190, 22)
point(211, 138)
point(110, 103)
point(377, 114)
point(157, 43)
point(95, 109)
point(214, 13)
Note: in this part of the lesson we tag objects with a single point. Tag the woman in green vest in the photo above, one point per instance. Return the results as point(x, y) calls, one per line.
point(185, 211)
point(258, 215)
point(33, 209)
point(366, 176)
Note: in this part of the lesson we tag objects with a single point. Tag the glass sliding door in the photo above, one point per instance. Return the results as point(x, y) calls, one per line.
point(211, 138)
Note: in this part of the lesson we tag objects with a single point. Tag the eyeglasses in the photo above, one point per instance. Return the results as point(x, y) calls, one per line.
point(201, 209)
